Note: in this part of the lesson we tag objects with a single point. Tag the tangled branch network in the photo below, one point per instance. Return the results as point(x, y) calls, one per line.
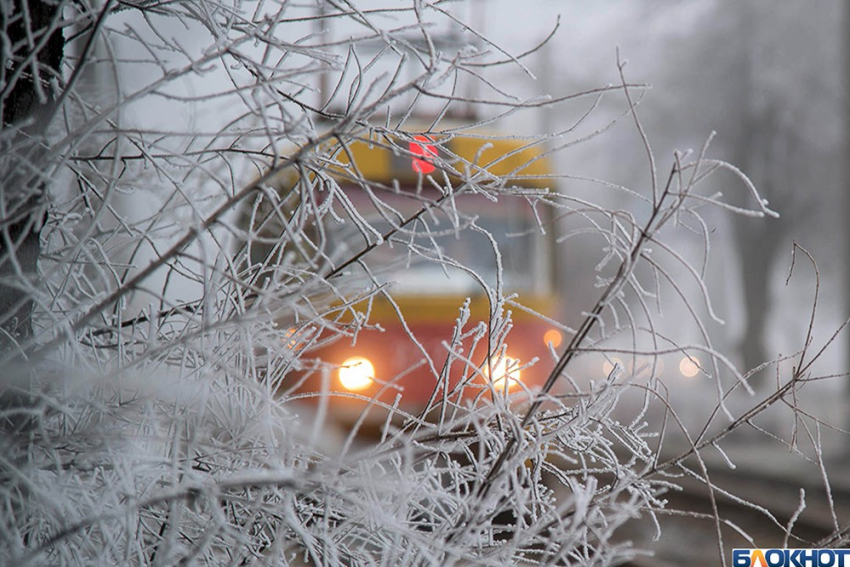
point(204, 201)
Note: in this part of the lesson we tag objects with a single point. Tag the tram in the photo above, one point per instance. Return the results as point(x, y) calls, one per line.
point(432, 333)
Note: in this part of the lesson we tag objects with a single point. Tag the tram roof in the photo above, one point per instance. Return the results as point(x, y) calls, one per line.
point(385, 158)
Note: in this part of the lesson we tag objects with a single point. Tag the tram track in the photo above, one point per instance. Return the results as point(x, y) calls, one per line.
point(762, 506)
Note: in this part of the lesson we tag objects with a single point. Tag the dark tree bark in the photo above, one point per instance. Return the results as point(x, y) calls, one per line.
point(758, 246)
point(845, 53)
point(764, 156)
point(762, 150)
point(32, 57)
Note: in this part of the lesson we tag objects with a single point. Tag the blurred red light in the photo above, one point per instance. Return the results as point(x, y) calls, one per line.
point(425, 151)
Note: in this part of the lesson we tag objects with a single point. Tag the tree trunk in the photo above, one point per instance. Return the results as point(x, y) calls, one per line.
point(758, 241)
point(34, 47)
point(846, 183)
point(31, 53)
point(757, 249)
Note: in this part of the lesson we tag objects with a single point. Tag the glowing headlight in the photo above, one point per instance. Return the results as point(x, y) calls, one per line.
point(689, 366)
point(554, 337)
point(356, 373)
point(505, 371)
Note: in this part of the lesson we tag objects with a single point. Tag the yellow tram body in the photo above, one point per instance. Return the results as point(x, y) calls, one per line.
point(399, 353)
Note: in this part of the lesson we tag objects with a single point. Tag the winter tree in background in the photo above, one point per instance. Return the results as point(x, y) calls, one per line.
point(171, 179)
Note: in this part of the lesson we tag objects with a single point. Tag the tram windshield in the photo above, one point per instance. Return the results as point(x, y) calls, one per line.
point(418, 258)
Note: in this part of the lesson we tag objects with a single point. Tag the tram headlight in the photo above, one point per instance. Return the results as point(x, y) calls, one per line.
point(505, 371)
point(689, 366)
point(553, 337)
point(356, 373)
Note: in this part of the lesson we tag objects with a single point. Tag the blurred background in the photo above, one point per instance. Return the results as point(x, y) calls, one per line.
point(767, 78)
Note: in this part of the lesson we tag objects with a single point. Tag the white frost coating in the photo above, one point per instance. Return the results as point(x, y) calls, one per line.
point(209, 427)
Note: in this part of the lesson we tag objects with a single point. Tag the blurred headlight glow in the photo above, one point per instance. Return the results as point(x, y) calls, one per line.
point(554, 337)
point(356, 373)
point(689, 366)
point(505, 371)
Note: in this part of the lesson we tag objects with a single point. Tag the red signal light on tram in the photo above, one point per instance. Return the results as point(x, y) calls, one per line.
point(423, 151)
